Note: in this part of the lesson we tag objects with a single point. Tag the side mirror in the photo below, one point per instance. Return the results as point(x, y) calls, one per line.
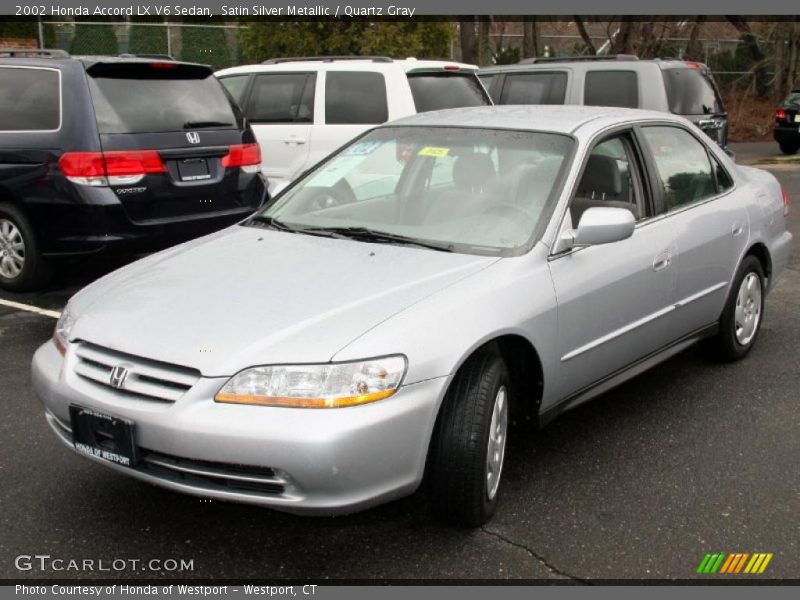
point(601, 225)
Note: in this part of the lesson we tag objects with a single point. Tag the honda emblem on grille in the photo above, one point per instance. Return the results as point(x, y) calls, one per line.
point(118, 376)
point(193, 137)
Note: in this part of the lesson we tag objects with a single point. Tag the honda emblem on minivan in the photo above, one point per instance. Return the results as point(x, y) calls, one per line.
point(193, 137)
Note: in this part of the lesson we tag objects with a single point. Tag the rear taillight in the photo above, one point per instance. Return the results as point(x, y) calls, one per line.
point(785, 202)
point(780, 114)
point(246, 157)
point(110, 168)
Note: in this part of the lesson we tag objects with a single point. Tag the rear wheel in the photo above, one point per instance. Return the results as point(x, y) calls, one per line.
point(21, 264)
point(743, 313)
point(788, 147)
point(468, 451)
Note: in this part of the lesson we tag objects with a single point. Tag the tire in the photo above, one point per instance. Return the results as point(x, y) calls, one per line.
point(462, 490)
point(789, 148)
point(744, 312)
point(22, 267)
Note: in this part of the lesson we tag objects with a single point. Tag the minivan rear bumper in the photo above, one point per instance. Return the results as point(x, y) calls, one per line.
point(93, 220)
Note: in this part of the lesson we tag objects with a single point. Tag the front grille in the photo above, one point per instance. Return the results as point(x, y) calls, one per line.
point(146, 379)
point(213, 475)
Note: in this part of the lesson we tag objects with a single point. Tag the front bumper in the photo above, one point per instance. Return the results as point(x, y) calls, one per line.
point(317, 461)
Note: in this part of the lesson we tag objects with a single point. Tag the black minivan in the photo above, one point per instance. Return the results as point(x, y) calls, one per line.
point(110, 153)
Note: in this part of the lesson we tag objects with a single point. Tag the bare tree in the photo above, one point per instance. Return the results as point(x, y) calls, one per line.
point(484, 50)
point(530, 37)
point(585, 35)
point(469, 41)
point(750, 42)
point(623, 42)
point(694, 49)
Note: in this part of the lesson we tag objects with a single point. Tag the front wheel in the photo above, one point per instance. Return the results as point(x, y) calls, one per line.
point(789, 148)
point(469, 447)
point(741, 319)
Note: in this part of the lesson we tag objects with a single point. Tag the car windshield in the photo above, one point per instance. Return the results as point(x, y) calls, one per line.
point(457, 189)
point(793, 101)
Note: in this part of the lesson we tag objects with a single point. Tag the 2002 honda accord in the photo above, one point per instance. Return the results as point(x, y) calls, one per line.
point(383, 316)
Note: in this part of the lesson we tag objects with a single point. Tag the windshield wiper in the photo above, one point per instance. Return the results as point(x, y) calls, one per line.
point(364, 234)
point(272, 223)
point(201, 124)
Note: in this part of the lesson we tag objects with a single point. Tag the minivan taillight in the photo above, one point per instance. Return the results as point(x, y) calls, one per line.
point(246, 157)
point(785, 202)
point(123, 167)
point(780, 114)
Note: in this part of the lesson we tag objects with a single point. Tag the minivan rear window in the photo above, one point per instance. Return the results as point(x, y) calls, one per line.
point(149, 100)
point(436, 91)
point(611, 88)
point(690, 91)
point(534, 88)
point(30, 99)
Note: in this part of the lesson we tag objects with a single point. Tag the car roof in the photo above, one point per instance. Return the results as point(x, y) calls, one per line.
point(605, 63)
point(564, 119)
point(409, 65)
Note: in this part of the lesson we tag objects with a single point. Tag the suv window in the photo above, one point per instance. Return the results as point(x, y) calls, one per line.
point(611, 88)
point(235, 84)
point(691, 92)
point(282, 98)
point(534, 88)
point(177, 98)
point(609, 179)
point(355, 97)
point(683, 165)
point(30, 99)
point(436, 91)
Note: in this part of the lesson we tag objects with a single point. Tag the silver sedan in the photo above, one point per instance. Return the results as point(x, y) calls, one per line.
point(385, 318)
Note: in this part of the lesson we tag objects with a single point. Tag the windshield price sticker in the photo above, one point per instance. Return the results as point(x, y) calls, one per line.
point(434, 151)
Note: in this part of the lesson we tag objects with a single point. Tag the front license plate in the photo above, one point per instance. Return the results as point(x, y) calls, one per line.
point(103, 436)
point(193, 169)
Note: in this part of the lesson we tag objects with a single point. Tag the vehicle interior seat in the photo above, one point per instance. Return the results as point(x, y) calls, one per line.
point(601, 185)
point(474, 180)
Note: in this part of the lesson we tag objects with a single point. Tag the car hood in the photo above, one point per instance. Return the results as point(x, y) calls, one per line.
point(249, 296)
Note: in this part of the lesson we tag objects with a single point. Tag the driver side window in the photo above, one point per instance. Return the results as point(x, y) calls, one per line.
point(609, 179)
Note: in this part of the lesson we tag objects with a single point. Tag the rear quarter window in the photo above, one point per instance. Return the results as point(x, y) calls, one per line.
point(437, 91)
point(534, 88)
point(691, 92)
point(611, 88)
point(30, 99)
point(355, 98)
point(174, 99)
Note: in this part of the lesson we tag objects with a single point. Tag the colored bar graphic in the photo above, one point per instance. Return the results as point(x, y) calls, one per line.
point(734, 563)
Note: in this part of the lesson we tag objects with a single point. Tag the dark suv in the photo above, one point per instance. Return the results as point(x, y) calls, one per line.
point(787, 124)
point(102, 153)
point(681, 87)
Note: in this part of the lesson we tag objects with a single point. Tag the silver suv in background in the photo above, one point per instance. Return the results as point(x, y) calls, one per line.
point(302, 109)
point(680, 87)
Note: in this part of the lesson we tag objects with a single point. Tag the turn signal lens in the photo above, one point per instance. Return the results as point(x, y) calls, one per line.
point(785, 202)
point(333, 385)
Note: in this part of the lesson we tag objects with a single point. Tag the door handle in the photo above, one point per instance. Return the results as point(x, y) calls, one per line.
point(737, 229)
point(662, 261)
point(298, 141)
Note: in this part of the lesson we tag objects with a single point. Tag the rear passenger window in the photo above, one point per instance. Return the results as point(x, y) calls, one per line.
point(683, 166)
point(611, 88)
point(30, 99)
point(724, 181)
point(355, 98)
point(282, 98)
point(534, 88)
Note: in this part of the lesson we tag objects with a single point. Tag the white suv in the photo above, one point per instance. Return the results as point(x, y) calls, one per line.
point(302, 109)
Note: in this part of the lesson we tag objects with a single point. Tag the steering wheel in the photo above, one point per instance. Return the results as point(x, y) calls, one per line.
point(508, 210)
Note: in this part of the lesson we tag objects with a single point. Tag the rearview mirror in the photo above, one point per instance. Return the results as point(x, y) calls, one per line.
point(602, 225)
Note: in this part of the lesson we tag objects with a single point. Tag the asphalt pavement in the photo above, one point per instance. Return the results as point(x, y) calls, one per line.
point(691, 457)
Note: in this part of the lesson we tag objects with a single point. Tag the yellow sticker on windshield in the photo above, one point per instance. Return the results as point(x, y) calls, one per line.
point(434, 151)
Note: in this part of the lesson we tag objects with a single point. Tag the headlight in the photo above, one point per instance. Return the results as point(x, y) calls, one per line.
point(63, 330)
point(331, 385)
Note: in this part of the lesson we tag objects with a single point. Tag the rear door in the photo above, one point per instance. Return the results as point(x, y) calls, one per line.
point(280, 109)
point(692, 93)
point(176, 122)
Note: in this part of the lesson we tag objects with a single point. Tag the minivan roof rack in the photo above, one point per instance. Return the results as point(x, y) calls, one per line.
point(33, 53)
point(277, 61)
point(549, 59)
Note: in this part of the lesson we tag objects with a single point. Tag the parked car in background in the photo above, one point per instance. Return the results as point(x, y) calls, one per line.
point(512, 261)
point(787, 124)
point(110, 153)
point(680, 87)
point(302, 109)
